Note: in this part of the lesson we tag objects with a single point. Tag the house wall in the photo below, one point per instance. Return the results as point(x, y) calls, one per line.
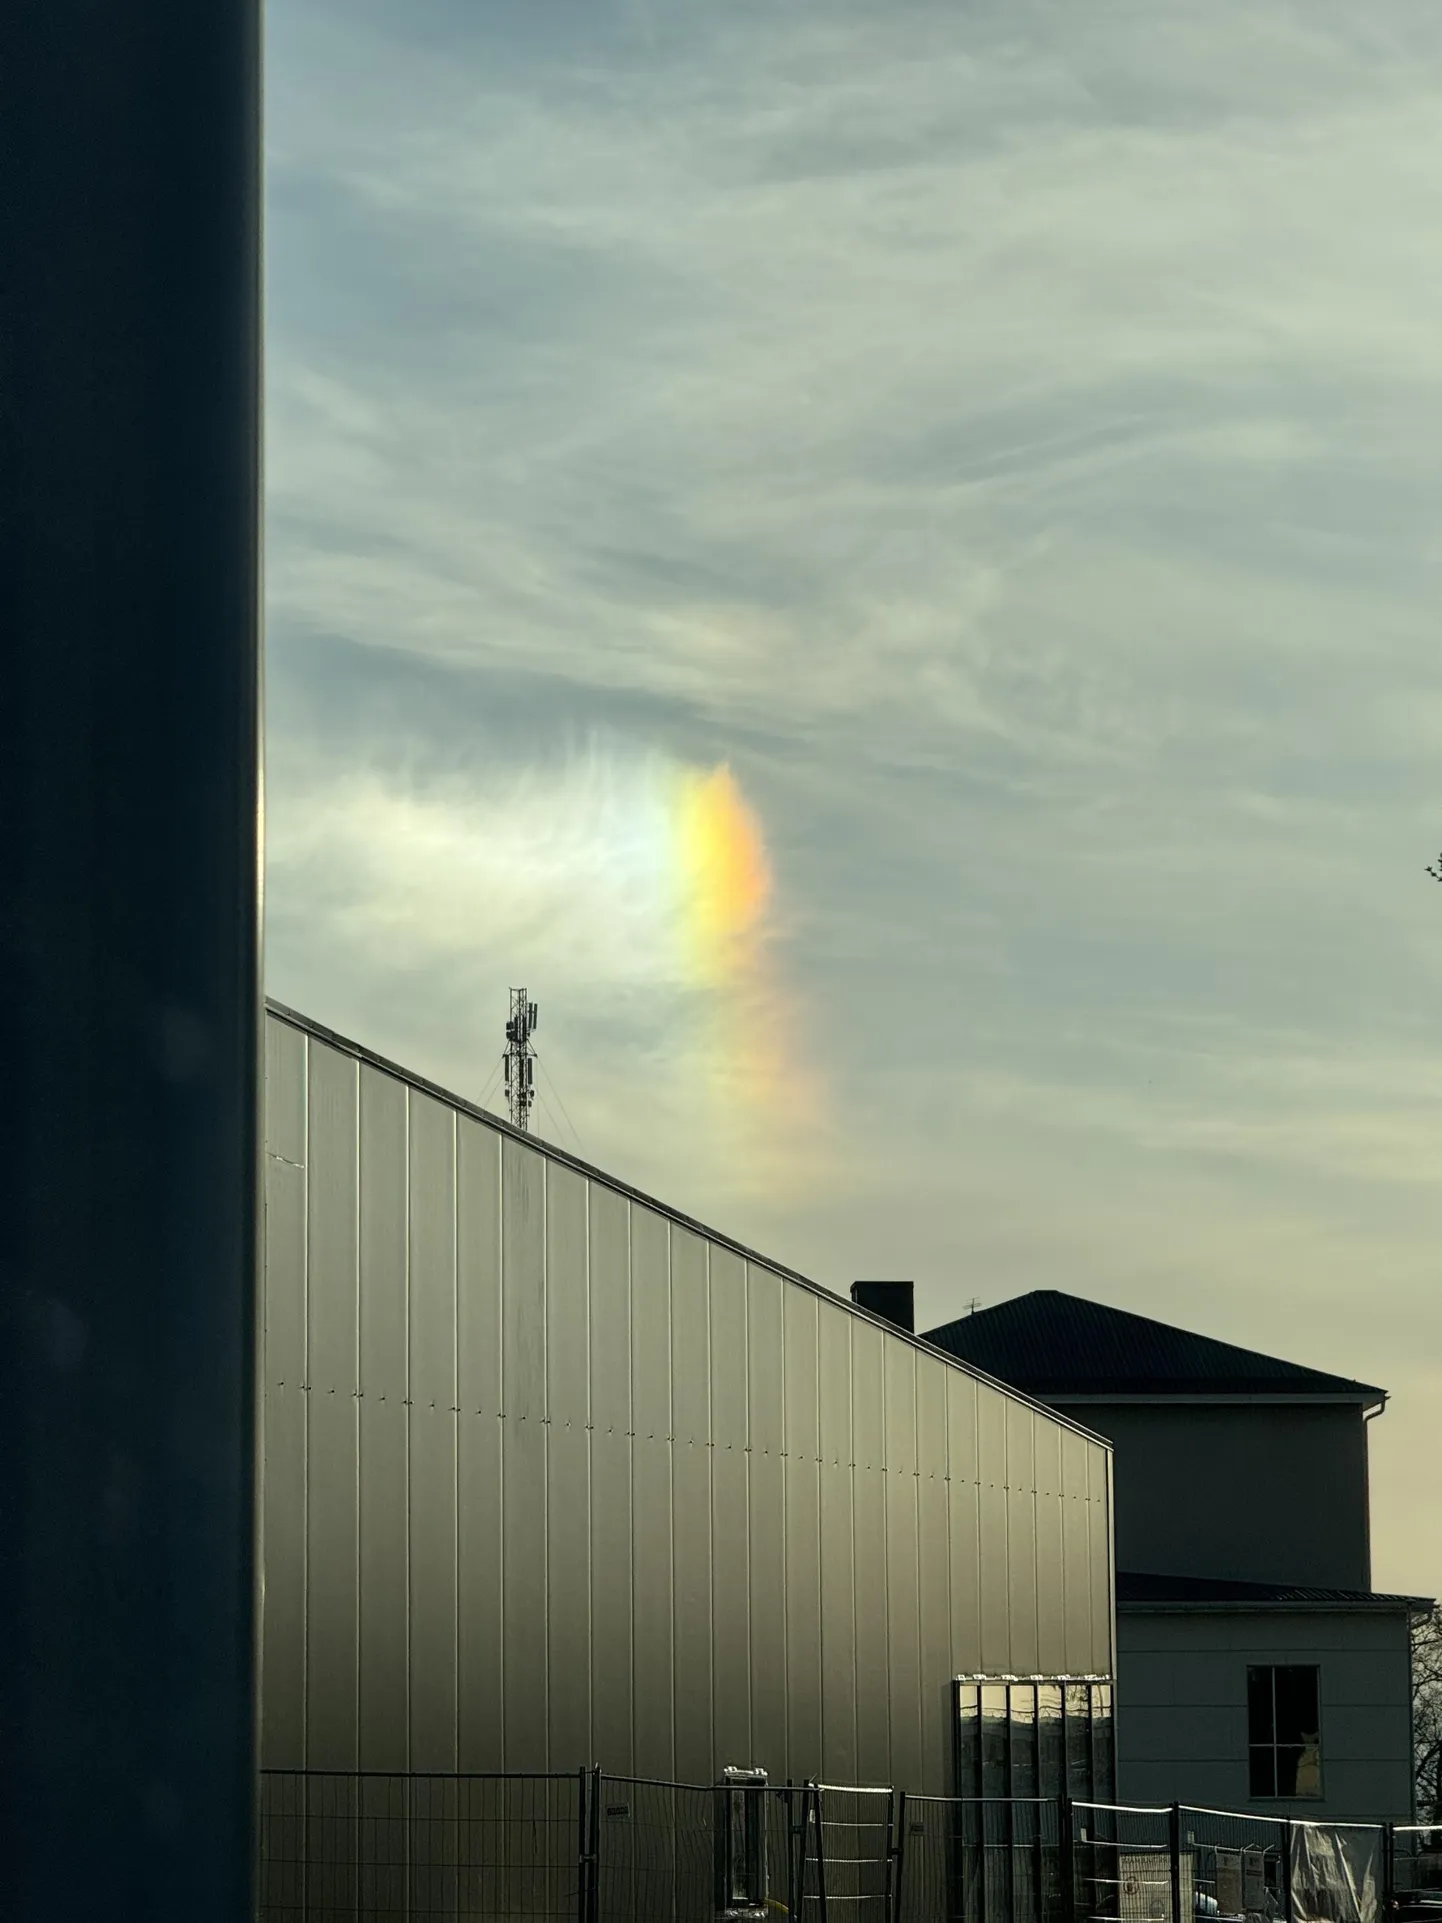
point(551, 1477)
point(1260, 1493)
point(1182, 1707)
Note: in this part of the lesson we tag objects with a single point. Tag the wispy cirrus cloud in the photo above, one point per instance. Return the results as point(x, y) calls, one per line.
point(1008, 440)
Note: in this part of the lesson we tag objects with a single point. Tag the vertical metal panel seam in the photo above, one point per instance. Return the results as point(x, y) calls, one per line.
point(885, 1465)
point(785, 1627)
point(914, 1367)
point(357, 1386)
point(545, 1399)
point(262, 1390)
point(710, 1461)
point(305, 1408)
point(545, 1462)
point(590, 1491)
point(946, 1465)
point(1032, 1511)
point(501, 1438)
point(631, 1470)
point(1068, 1495)
point(455, 1438)
point(670, 1445)
point(1112, 1581)
point(588, 1432)
point(851, 1523)
point(746, 1501)
point(406, 1378)
point(631, 1453)
point(813, 1460)
point(976, 1547)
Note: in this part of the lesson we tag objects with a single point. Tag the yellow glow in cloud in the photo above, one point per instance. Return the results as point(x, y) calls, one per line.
point(725, 873)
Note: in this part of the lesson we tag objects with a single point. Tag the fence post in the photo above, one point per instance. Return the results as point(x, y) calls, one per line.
point(1389, 1868)
point(795, 1851)
point(583, 1841)
point(896, 1853)
point(1068, 1862)
point(1287, 1869)
point(814, 1794)
point(598, 1797)
point(1174, 1850)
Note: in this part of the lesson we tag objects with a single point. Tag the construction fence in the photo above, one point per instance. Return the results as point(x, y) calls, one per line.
point(593, 1848)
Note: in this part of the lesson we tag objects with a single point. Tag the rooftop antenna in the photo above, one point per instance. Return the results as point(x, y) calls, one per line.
point(520, 1060)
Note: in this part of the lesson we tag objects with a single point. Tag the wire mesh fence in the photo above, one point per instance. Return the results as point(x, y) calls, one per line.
point(1125, 1865)
point(419, 1849)
point(847, 1873)
point(1239, 1863)
point(655, 1850)
point(593, 1848)
point(1416, 1872)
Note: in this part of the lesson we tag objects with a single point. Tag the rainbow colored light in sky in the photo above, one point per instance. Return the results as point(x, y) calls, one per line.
point(725, 876)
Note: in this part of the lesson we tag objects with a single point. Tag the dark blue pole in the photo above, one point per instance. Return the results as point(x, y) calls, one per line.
point(129, 979)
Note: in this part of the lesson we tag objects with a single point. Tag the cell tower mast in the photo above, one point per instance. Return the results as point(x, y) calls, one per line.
point(520, 1060)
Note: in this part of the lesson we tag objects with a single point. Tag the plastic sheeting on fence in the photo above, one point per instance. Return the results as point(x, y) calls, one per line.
point(1336, 1873)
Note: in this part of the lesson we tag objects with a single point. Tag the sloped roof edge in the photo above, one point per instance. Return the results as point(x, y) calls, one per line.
point(334, 1039)
point(1052, 1345)
point(1138, 1591)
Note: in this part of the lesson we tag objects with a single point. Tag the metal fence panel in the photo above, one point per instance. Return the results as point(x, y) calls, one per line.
point(849, 1861)
point(416, 1849)
point(656, 1858)
point(1123, 1865)
point(1416, 1872)
point(592, 1848)
point(1239, 1862)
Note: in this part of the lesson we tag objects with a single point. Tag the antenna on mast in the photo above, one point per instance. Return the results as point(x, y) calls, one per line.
point(520, 1060)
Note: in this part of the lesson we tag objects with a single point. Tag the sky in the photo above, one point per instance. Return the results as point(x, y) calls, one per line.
point(883, 562)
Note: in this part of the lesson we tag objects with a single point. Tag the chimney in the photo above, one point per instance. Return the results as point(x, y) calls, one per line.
point(892, 1301)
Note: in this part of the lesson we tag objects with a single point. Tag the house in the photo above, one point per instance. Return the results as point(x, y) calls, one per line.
point(552, 1475)
point(1257, 1668)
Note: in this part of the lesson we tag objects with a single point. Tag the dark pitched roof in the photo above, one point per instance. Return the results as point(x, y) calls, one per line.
point(1141, 1590)
point(1054, 1346)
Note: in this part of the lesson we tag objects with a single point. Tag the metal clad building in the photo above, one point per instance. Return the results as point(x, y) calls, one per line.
point(550, 1475)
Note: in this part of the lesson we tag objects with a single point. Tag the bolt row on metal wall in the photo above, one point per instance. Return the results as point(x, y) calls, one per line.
point(551, 1477)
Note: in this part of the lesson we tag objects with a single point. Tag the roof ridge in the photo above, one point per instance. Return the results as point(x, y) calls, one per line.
point(1054, 1342)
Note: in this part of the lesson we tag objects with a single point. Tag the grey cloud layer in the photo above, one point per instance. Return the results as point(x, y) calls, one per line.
point(1010, 435)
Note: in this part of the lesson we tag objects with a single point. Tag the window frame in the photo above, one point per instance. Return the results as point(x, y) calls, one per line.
point(1272, 1748)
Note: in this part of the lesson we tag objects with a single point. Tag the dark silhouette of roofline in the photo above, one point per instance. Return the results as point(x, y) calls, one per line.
point(1064, 1348)
point(1139, 1591)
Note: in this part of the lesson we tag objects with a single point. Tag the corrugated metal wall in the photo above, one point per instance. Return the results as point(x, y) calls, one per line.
point(549, 1477)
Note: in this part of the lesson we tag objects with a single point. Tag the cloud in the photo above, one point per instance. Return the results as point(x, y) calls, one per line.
point(631, 893)
point(1008, 439)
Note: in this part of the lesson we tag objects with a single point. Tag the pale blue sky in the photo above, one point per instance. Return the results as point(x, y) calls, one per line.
point(1011, 435)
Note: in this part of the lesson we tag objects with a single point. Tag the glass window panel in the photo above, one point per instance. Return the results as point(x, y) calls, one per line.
point(1283, 1727)
point(968, 1740)
point(1051, 1767)
point(1309, 1770)
point(1289, 1756)
point(1078, 1742)
point(1260, 1728)
point(1023, 1739)
point(1104, 1786)
point(1296, 1700)
point(994, 1733)
point(1033, 1739)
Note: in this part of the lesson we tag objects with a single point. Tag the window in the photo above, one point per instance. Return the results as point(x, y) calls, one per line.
point(1284, 1730)
point(1046, 1737)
